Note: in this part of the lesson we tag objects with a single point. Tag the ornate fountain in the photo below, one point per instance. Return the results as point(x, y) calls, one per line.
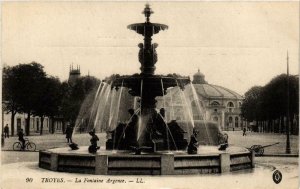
point(148, 86)
point(152, 146)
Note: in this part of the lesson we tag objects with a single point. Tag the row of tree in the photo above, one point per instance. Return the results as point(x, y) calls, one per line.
point(28, 89)
point(268, 105)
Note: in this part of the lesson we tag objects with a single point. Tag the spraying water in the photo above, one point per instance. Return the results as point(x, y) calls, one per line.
point(117, 113)
point(195, 96)
point(100, 112)
point(164, 105)
point(168, 131)
point(183, 99)
point(140, 120)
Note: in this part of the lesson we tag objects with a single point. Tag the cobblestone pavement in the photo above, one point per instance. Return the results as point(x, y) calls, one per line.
point(29, 175)
point(235, 138)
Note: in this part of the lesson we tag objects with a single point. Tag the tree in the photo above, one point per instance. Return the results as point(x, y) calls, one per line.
point(48, 100)
point(270, 102)
point(27, 82)
point(275, 97)
point(73, 96)
point(252, 103)
point(9, 97)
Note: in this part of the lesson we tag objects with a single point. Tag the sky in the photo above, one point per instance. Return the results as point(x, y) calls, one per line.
point(234, 44)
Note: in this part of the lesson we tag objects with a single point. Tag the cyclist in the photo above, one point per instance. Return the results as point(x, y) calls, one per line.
point(21, 138)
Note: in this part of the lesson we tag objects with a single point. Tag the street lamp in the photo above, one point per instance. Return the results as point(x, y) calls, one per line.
point(288, 145)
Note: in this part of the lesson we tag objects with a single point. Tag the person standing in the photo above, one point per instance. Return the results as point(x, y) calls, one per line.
point(69, 132)
point(6, 131)
point(244, 131)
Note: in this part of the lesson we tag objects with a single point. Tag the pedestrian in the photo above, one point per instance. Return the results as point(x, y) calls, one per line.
point(69, 132)
point(6, 131)
point(244, 131)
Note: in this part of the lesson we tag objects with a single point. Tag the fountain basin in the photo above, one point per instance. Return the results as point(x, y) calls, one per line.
point(105, 162)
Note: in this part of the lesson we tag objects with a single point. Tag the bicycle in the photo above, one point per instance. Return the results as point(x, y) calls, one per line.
point(17, 146)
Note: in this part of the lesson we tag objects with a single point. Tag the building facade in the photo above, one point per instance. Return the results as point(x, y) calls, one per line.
point(53, 125)
point(20, 122)
point(204, 101)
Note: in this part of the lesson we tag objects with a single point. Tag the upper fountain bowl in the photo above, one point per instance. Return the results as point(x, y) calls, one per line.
point(141, 28)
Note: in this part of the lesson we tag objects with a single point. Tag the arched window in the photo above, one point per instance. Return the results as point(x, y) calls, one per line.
point(229, 123)
point(236, 122)
point(240, 104)
point(230, 105)
point(215, 103)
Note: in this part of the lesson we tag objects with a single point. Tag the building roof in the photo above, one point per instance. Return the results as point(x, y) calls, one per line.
point(199, 73)
point(199, 78)
point(215, 91)
point(212, 91)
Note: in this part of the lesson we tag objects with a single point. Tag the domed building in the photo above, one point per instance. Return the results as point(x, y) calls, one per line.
point(207, 101)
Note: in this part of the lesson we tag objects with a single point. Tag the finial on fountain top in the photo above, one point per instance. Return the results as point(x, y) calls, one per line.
point(147, 12)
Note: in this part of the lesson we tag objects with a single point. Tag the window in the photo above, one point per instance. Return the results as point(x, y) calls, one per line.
point(240, 104)
point(32, 123)
point(229, 122)
point(230, 105)
point(215, 103)
point(236, 122)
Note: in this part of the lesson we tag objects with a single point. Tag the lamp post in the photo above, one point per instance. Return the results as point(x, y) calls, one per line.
point(288, 145)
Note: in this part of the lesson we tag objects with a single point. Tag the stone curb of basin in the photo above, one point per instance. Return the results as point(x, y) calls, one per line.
point(18, 151)
point(279, 155)
point(265, 155)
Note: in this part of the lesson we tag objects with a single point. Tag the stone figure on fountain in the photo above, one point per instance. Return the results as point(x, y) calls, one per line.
point(193, 145)
point(131, 130)
point(93, 147)
point(223, 140)
point(147, 54)
point(141, 52)
point(159, 126)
